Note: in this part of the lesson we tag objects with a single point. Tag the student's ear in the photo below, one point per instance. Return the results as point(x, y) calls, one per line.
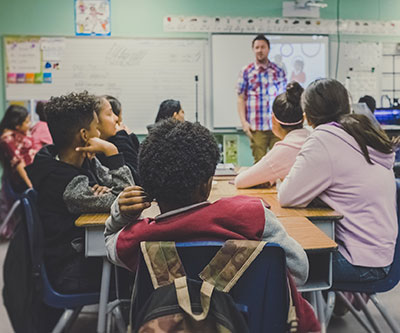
point(175, 115)
point(84, 135)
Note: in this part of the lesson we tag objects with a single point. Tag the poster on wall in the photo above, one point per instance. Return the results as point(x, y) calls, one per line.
point(92, 18)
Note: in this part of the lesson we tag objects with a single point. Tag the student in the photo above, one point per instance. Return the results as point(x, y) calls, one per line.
point(347, 163)
point(370, 101)
point(109, 130)
point(17, 146)
point(170, 108)
point(71, 181)
point(40, 131)
point(177, 162)
point(287, 125)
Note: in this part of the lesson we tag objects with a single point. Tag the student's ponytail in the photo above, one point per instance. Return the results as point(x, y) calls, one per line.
point(366, 134)
point(327, 100)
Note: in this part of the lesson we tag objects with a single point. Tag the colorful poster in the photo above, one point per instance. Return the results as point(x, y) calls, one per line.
point(92, 18)
point(23, 56)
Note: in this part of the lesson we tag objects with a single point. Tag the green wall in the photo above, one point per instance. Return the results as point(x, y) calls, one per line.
point(144, 19)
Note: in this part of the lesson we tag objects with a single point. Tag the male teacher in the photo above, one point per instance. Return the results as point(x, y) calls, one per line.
point(258, 85)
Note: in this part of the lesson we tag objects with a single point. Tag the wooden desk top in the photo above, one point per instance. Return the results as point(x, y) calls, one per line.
point(90, 220)
point(299, 228)
point(225, 189)
point(309, 236)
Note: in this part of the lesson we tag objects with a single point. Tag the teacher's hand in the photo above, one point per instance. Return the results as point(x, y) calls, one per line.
point(247, 129)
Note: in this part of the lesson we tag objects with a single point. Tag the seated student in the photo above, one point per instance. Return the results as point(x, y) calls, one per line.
point(169, 108)
point(347, 163)
point(109, 130)
point(40, 131)
point(117, 109)
point(71, 181)
point(17, 146)
point(370, 101)
point(287, 125)
point(177, 162)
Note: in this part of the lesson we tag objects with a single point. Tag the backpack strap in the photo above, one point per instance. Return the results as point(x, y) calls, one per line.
point(182, 293)
point(163, 262)
point(292, 321)
point(230, 262)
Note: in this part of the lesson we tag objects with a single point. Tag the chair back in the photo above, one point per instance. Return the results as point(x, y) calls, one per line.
point(392, 279)
point(36, 243)
point(261, 292)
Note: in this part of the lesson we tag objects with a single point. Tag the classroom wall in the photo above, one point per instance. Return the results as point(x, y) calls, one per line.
point(143, 18)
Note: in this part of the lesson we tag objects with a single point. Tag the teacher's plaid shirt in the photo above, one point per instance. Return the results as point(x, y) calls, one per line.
point(260, 85)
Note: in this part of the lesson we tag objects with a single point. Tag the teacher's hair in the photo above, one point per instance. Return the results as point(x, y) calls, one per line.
point(260, 37)
point(327, 100)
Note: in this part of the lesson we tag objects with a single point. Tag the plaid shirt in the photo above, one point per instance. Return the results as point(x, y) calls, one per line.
point(260, 85)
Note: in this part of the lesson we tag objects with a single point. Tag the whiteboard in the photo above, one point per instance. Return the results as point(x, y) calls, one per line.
point(141, 73)
point(231, 52)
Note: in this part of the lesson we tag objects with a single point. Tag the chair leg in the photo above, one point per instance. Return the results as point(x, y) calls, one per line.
point(74, 316)
point(367, 313)
point(9, 215)
point(119, 320)
point(384, 313)
point(354, 312)
point(63, 322)
point(330, 305)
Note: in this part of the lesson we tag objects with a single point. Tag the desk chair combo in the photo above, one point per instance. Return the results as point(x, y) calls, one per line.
point(71, 303)
point(261, 293)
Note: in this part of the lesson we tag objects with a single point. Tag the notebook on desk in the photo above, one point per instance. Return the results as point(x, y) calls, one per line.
point(225, 169)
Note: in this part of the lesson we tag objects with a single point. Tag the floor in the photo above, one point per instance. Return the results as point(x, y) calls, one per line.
point(87, 321)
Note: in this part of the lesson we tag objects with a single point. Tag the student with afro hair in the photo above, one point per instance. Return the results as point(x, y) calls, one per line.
point(177, 162)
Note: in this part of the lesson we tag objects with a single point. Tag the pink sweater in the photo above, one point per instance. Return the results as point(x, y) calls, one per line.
point(276, 163)
point(331, 166)
point(41, 135)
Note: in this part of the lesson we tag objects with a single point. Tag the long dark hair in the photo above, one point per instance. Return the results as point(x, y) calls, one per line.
point(287, 109)
point(167, 109)
point(327, 100)
point(115, 104)
point(15, 115)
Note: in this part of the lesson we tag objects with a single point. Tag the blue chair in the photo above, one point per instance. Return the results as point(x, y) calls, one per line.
point(11, 195)
point(372, 288)
point(261, 292)
point(72, 303)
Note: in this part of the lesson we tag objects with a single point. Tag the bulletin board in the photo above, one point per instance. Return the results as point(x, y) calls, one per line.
point(141, 73)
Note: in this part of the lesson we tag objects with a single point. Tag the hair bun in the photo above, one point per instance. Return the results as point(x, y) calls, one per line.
point(293, 92)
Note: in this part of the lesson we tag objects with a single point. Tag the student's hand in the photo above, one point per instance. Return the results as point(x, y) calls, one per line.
point(97, 145)
point(121, 127)
point(132, 201)
point(247, 129)
point(100, 190)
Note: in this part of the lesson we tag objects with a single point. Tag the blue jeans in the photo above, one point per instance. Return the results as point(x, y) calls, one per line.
point(343, 271)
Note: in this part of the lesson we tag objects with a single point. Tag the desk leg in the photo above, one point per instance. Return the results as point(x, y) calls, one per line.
point(321, 310)
point(104, 291)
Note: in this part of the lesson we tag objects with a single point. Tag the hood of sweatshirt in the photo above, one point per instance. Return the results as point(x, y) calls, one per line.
point(377, 157)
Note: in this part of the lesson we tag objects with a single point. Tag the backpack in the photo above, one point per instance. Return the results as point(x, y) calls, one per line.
point(180, 304)
point(22, 285)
